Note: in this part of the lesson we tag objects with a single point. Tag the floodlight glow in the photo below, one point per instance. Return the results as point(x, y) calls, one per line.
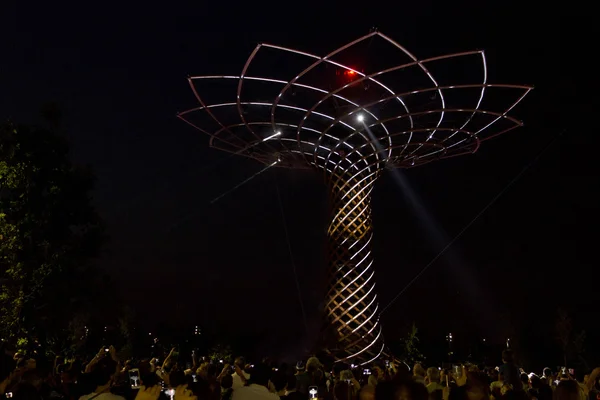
point(413, 123)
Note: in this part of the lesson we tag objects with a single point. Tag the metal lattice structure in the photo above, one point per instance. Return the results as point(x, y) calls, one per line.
point(294, 109)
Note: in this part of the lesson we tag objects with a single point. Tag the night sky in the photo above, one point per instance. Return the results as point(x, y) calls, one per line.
point(118, 71)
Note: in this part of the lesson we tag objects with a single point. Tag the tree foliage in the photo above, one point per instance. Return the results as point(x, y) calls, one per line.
point(572, 345)
point(410, 343)
point(221, 352)
point(48, 231)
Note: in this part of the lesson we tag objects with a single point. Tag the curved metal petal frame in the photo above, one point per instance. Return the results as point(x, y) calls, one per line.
point(352, 155)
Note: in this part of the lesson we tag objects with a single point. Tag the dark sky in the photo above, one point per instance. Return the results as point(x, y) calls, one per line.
point(118, 71)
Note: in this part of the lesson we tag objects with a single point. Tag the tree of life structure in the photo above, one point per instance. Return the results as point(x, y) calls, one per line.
point(364, 107)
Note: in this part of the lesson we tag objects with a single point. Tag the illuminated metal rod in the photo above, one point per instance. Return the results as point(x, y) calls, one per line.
point(263, 104)
point(326, 59)
point(344, 311)
point(278, 133)
point(526, 88)
point(504, 115)
point(280, 81)
point(420, 145)
point(213, 201)
point(394, 134)
point(213, 77)
point(424, 68)
point(227, 128)
point(430, 111)
point(318, 61)
point(477, 111)
point(396, 68)
point(355, 355)
point(242, 77)
point(282, 140)
point(376, 357)
point(472, 135)
point(481, 95)
point(339, 220)
point(361, 312)
point(476, 106)
point(347, 310)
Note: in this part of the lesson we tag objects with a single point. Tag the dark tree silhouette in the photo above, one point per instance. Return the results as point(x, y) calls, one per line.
point(572, 345)
point(49, 230)
point(564, 328)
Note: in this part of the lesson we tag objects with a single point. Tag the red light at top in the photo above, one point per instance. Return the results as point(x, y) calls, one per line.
point(348, 73)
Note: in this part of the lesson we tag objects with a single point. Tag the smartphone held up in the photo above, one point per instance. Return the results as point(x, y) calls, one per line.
point(134, 378)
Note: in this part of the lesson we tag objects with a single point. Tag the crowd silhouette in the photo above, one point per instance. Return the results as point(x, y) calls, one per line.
point(106, 377)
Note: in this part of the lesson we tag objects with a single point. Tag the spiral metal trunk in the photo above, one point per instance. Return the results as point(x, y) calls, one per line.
point(351, 304)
